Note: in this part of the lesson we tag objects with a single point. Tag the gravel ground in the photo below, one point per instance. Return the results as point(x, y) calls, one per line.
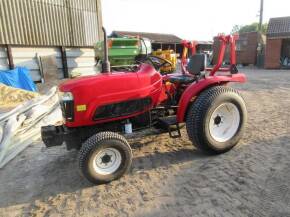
point(169, 177)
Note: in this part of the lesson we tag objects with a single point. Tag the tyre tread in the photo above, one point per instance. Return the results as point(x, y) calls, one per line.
point(197, 112)
point(91, 142)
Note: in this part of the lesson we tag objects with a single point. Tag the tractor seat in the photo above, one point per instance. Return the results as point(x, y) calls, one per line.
point(195, 67)
point(182, 79)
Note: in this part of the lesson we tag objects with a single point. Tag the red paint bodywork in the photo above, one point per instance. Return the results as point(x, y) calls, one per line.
point(196, 88)
point(225, 40)
point(109, 88)
point(213, 79)
point(102, 89)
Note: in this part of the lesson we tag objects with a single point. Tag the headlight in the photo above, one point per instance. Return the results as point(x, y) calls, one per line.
point(66, 100)
point(66, 96)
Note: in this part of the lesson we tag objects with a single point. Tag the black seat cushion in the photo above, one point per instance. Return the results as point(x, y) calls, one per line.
point(182, 79)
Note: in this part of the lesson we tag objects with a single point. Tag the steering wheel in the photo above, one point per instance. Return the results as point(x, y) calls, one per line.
point(159, 62)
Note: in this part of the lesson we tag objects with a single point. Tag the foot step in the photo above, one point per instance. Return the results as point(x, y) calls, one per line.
point(171, 125)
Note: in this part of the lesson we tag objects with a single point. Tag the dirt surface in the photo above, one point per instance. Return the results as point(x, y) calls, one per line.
point(169, 177)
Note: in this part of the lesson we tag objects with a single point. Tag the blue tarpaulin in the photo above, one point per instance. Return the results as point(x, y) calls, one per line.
point(19, 78)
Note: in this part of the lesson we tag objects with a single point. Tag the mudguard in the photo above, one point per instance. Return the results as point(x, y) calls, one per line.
point(196, 88)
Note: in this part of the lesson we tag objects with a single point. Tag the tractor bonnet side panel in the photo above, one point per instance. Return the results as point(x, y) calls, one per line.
point(108, 97)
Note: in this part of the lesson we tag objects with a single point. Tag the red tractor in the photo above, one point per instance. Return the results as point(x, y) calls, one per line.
point(98, 109)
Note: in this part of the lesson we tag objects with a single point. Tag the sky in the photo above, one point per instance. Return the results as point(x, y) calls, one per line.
point(188, 19)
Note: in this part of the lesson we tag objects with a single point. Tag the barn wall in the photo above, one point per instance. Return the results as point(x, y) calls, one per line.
point(28, 57)
point(3, 59)
point(247, 45)
point(79, 60)
point(50, 22)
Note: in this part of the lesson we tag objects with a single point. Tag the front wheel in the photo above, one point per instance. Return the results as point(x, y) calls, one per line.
point(105, 157)
point(216, 120)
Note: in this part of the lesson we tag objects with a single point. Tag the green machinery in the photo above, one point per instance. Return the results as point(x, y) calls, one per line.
point(123, 51)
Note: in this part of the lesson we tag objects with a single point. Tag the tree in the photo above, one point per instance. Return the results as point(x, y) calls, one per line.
point(235, 29)
point(254, 27)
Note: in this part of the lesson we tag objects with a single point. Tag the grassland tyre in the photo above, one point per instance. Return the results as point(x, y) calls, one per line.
point(216, 120)
point(104, 157)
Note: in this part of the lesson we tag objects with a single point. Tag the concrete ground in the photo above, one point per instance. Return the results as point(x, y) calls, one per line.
point(169, 177)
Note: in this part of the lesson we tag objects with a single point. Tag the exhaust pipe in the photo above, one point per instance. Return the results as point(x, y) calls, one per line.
point(106, 67)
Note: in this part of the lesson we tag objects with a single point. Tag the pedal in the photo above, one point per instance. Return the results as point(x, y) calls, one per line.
point(171, 125)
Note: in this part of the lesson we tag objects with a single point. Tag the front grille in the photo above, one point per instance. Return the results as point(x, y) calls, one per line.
point(122, 108)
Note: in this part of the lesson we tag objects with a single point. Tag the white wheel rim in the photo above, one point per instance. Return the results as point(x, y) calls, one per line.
point(224, 122)
point(107, 161)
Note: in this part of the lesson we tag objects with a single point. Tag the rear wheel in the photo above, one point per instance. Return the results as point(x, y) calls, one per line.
point(216, 120)
point(105, 157)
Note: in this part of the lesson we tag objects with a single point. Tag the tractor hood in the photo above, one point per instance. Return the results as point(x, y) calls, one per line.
point(76, 83)
point(91, 92)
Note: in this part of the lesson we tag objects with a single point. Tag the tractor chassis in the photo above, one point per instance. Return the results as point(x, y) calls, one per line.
point(73, 137)
point(214, 113)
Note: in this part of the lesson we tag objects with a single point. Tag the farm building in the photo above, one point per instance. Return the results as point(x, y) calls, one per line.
point(165, 41)
point(278, 43)
point(204, 46)
point(40, 34)
point(247, 47)
point(159, 41)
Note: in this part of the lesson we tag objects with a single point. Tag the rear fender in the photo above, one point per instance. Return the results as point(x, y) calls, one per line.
point(196, 88)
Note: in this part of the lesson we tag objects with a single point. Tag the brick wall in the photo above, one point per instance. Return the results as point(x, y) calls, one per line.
point(273, 53)
point(216, 48)
point(247, 48)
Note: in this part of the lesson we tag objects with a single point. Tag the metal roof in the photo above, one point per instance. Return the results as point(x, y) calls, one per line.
point(154, 37)
point(279, 27)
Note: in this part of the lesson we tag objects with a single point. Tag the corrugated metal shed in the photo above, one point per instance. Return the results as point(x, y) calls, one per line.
point(28, 57)
point(50, 22)
point(79, 60)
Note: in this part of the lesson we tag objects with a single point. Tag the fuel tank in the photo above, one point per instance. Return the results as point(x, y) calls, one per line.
point(111, 96)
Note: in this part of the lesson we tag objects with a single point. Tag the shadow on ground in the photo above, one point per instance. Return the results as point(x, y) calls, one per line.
point(61, 175)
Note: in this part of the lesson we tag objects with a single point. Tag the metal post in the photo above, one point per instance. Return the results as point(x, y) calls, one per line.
point(64, 62)
point(10, 57)
point(106, 67)
point(260, 43)
point(261, 15)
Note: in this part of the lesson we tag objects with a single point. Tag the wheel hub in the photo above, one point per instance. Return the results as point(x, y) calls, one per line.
point(107, 161)
point(217, 120)
point(106, 158)
point(224, 122)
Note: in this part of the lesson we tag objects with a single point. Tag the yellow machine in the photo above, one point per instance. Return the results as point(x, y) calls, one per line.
point(169, 55)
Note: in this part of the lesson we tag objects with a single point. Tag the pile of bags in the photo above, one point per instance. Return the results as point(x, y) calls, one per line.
point(20, 126)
